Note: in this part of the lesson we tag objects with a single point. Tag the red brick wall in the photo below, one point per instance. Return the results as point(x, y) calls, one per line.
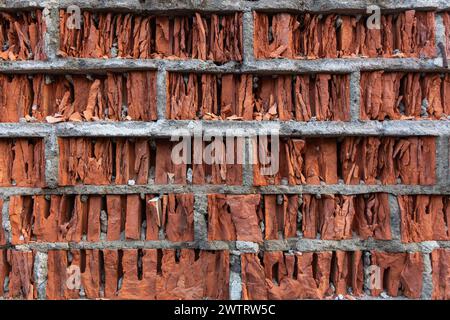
point(86, 119)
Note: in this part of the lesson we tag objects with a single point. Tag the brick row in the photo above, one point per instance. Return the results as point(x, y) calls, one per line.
point(57, 98)
point(311, 36)
point(75, 218)
point(22, 36)
point(317, 275)
point(216, 37)
point(270, 217)
point(22, 162)
point(250, 97)
point(351, 160)
point(140, 274)
point(400, 96)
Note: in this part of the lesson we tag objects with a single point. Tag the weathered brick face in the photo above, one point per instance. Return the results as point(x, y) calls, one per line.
point(214, 37)
point(57, 98)
point(22, 36)
point(247, 97)
point(109, 129)
point(312, 36)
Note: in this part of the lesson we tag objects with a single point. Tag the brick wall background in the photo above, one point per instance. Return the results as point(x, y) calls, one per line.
point(86, 179)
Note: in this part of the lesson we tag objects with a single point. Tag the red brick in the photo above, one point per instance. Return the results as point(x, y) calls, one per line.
point(440, 263)
point(312, 36)
point(58, 98)
point(23, 32)
point(22, 163)
point(169, 172)
point(234, 217)
point(247, 97)
point(400, 273)
point(306, 275)
point(446, 20)
point(309, 161)
point(336, 217)
point(68, 218)
point(18, 267)
point(90, 161)
point(399, 95)
point(140, 274)
point(198, 36)
point(411, 160)
point(424, 218)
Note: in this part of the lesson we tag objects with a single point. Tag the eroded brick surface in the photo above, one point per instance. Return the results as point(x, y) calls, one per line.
point(340, 217)
point(74, 218)
point(424, 217)
point(103, 161)
point(400, 96)
point(400, 274)
point(202, 165)
point(353, 159)
point(311, 36)
point(250, 97)
point(21, 35)
point(307, 275)
point(57, 98)
point(216, 37)
point(440, 263)
point(16, 270)
point(22, 162)
point(140, 274)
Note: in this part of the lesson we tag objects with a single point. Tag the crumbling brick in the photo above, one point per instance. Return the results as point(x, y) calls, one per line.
point(401, 96)
point(308, 161)
point(125, 35)
point(22, 162)
point(247, 97)
point(388, 160)
point(302, 275)
point(17, 266)
point(446, 21)
point(440, 263)
point(399, 273)
point(234, 217)
point(424, 217)
point(57, 98)
point(198, 163)
point(90, 161)
point(140, 274)
point(22, 36)
point(73, 218)
point(337, 217)
point(311, 35)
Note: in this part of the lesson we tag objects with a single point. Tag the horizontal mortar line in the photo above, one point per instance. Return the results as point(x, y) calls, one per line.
point(357, 6)
point(207, 189)
point(168, 128)
point(292, 244)
point(268, 66)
